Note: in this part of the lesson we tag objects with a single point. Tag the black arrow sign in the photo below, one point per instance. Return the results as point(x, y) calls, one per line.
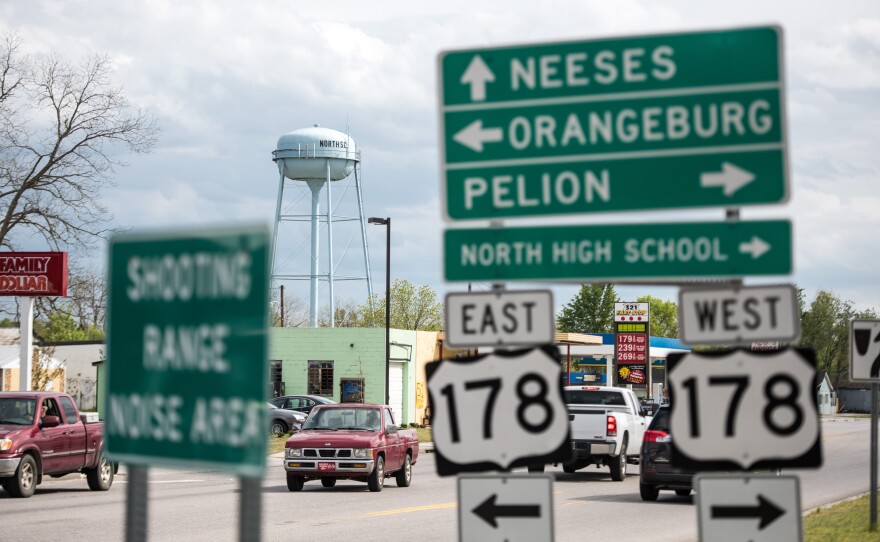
point(489, 511)
point(765, 510)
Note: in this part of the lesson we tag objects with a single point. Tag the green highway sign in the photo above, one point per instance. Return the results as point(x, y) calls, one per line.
point(650, 122)
point(619, 252)
point(186, 349)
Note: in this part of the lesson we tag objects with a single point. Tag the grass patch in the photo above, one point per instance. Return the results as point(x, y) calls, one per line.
point(845, 522)
point(276, 444)
point(424, 434)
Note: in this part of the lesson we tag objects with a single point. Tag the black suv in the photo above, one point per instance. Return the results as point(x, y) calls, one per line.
point(656, 472)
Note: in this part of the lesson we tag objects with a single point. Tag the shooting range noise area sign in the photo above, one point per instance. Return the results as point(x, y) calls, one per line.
point(746, 507)
point(690, 119)
point(186, 349)
point(505, 508)
point(498, 411)
point(743, 410)
point(864, 351)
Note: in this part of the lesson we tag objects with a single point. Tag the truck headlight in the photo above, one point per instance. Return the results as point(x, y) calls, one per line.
point(361, 453)
point(5, 444)
point(294, 452)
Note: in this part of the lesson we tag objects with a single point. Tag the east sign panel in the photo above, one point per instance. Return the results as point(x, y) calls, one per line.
point(186, 349)
point(647, 122)
point(619, 252)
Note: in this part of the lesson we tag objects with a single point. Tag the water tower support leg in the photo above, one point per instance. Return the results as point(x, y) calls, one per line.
point(277, 220)
point(330, 246)
point(315, 186)
point(357, 184)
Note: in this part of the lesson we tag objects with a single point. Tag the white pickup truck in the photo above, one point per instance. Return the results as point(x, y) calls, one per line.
point(607, 427)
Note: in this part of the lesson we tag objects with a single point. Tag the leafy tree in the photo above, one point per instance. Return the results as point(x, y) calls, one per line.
point(590, 311)
point(825, 329)
point(60, 327)
point(411, 308)
point(59, 124)
point(41, 371)
point(664, 316)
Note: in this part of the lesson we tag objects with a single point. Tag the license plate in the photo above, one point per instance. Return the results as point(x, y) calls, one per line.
point(326, 466)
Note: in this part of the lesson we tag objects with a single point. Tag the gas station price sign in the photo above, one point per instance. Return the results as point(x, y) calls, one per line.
point(631, 347)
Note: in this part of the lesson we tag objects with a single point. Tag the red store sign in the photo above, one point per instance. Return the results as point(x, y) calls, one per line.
point(33, 273)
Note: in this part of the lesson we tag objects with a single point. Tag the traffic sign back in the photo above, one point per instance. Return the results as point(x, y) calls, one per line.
point(643, 122)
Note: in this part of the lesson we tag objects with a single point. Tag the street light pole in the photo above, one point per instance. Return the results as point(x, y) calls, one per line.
point(387, 223)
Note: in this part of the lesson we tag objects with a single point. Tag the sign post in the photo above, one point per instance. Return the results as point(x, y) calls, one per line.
point(691, 119)
point(864, 366)
point(186, 353)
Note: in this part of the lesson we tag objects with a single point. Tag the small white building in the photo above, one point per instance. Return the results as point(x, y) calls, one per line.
point(826, 395)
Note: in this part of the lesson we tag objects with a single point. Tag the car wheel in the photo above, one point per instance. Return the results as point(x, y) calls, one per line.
point(24, 483)
point(536, 468)
point(683, 492)
point(328, 482)
point(618, 464)
point(649, 492)
point(568, 468)
point(377, 477)
point(404, 475)
point(278, 428)
point(295, 483)
point(100, 478)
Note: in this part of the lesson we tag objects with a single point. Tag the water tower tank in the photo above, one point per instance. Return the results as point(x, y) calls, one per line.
point(306, 153)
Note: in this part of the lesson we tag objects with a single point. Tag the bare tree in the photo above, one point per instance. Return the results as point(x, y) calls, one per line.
point(60, 124)
point(42, 371)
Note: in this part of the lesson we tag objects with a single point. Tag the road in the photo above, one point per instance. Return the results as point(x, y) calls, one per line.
point(198, 505)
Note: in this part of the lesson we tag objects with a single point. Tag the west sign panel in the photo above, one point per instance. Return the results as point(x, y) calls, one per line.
point(619, 252)
point(647, 122)
point(186, 349)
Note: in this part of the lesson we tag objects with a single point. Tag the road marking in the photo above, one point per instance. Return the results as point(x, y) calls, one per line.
point(407, 510)
point(162, 481)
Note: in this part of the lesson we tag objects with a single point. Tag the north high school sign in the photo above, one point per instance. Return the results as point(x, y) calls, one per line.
point(33, 273)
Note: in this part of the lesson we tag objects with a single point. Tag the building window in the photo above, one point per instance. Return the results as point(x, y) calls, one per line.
point(321, 378)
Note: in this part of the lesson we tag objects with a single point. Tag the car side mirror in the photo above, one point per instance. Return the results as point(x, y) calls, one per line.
point(50, 421)
point(391, 430)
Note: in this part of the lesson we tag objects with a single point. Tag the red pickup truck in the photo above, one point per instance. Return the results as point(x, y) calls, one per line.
point(43, 433)
point(351, 442)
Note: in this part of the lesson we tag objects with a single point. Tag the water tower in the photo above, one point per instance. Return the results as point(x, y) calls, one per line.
point(318, 156)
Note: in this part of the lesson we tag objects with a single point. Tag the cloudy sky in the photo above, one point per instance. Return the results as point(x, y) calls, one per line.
point(225, 79)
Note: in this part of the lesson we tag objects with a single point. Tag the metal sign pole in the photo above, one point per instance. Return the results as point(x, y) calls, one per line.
point(249, 510)
point(873, 526)
point(136, 505)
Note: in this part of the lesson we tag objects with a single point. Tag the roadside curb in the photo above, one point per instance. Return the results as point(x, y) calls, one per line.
point(832, 504)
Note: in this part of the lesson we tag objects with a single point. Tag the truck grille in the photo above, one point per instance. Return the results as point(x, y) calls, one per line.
point(327, 452)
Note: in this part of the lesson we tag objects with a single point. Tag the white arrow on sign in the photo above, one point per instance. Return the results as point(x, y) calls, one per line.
point(474, 135)
point(731, 178)
point(477, 75)
point(727, 315)
point(757, 247)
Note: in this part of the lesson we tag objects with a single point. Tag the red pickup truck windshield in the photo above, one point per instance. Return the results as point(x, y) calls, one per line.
point(17, 411)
